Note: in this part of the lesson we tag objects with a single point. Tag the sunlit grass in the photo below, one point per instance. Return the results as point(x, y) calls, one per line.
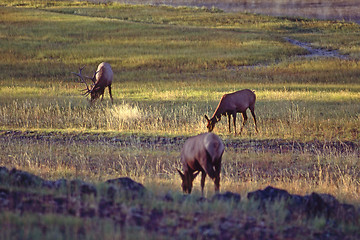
point(172, 65)
point(299, 171)
point(284, 111)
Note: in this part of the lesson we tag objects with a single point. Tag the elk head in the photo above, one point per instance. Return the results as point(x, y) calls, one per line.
point(95, 92)
point(211, 123)
point(187, 180)
point(88, 89)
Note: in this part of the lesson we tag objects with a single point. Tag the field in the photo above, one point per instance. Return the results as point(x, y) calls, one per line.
point(320, 9)
point(171, 66)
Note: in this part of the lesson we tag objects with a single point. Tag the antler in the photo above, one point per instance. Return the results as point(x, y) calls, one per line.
point(87, 90)
point(94, 77)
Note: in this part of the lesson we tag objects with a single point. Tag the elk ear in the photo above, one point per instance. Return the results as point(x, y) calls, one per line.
point(206, 117)
point(181, 174)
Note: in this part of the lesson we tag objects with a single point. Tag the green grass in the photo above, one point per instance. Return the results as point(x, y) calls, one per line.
point(169, 73)
point(96, 158)
point(171, 66)
point(50, 226)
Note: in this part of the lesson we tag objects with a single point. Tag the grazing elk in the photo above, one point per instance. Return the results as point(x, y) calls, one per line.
point(102, 78)
point(201, 153)
point(231, 104)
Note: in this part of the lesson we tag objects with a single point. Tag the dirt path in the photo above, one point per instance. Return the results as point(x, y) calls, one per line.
point(273, 145)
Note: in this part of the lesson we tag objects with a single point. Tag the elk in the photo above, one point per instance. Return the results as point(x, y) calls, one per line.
point(201, 153)
point(231, 104)
point(101, 79)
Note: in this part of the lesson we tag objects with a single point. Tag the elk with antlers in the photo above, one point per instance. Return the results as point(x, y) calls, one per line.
point(101, 79)
point(201, 153)
point(231, 104)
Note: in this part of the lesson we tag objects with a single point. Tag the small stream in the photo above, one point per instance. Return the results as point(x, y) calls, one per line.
point(312, 53)
point(316, 52)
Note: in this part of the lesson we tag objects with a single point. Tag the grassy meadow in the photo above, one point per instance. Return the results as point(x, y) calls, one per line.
point(171, 66)
point(320, 9)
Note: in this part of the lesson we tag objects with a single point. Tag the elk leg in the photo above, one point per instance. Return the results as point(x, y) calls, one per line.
point(217, 177)
point(110, 94)
point(234, 121)
point(253, 114)
point(229, 116)
point(245, 119)
point(203, 176)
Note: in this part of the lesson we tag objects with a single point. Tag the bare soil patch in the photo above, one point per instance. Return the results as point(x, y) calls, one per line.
point(273, 145)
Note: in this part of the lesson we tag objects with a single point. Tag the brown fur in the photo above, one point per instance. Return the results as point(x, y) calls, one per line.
point(201, 153)
point(102, 78)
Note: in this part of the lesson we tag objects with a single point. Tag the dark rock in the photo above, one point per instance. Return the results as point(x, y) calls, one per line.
point(348, 213)
point(4, 197)
point(228, 196)
point(269, 194)
point(111, 192)
point(250, 223)
point(316, 206)
point(328, 206)
point(330, 200)
point(154, 219)
point(24, 179)
point(47, 184)
point(229, 228)
point(208, 231)
point(74, 186)
point(313, 205)
point(136, 216)
point(88, 189)
point(4, 193)
point(297, 200)
point(4, 174)
point(4, 170)
point(168, 198)
point(32, 204)
point(60, 204)
point(105, 208)
point(82, 188)
point(61, 183)
point(128, 187)
point(127, 184)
